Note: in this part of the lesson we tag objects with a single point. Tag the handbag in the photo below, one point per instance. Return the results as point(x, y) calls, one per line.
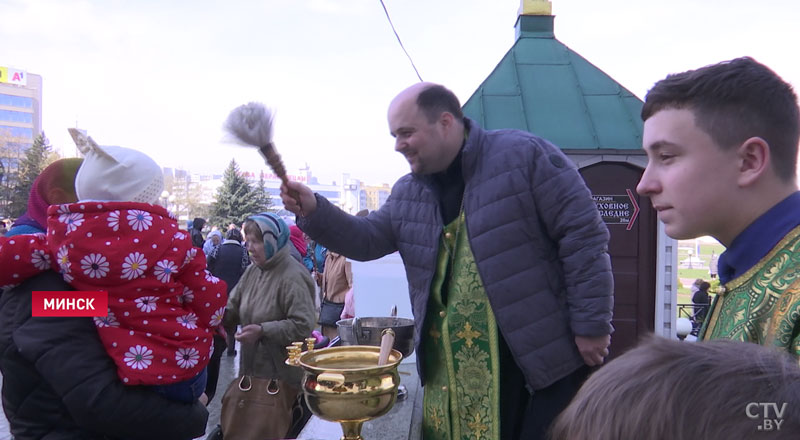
point(330, 312)
point(256, 408)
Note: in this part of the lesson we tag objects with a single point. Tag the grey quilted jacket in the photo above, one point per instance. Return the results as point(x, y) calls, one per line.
point(538, 240)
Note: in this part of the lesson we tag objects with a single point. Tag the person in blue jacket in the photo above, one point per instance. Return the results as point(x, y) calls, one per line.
point(507, 263)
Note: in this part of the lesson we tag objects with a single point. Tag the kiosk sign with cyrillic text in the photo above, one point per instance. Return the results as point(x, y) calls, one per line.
point(69, 304)
point(617, 209)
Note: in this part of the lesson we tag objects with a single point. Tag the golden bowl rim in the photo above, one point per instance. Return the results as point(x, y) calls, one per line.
point(371, 348)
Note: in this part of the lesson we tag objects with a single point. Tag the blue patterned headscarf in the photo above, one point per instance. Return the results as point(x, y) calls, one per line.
point(275, 231)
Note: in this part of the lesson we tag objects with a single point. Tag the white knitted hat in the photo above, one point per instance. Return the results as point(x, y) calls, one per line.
point(116, 173)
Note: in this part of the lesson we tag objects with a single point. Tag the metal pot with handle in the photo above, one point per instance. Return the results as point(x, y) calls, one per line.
point(367, 331)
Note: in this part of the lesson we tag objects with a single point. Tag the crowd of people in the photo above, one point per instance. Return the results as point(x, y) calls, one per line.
point(149, 367)
point(508, 271)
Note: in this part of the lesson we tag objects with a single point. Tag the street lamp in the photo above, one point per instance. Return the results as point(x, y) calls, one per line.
point(683, 327)
point(171, 206)
point(164, 199)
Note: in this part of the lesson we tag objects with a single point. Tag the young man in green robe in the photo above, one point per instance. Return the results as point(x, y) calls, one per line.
point(722, 146)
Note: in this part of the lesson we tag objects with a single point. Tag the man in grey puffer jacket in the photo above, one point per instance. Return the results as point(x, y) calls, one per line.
point(535, 247)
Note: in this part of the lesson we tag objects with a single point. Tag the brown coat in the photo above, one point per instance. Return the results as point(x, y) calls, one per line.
point(337, 278)
point(280, 298)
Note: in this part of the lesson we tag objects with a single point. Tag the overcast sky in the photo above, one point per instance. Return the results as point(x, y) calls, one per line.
point(161, 76)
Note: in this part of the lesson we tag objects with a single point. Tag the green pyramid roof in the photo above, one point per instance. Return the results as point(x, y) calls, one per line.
point(544, 87)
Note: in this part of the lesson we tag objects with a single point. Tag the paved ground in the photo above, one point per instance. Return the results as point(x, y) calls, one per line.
point(686, 282)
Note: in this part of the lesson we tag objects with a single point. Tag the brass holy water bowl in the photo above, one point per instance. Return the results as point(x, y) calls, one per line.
point(346, 384)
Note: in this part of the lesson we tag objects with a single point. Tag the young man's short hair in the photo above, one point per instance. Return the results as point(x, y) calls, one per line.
point(733, 101)
point(666, 389)
point(435, 100)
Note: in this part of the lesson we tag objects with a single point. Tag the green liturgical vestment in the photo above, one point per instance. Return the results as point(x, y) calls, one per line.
point(461, 349)
point(763, 304)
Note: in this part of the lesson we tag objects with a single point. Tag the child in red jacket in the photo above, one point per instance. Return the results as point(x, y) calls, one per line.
point(163, 306)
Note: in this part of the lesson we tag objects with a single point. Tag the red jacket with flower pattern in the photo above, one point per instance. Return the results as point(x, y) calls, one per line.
point(163, 304)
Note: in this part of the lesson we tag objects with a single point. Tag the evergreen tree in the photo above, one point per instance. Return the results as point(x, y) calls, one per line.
point(36, 159)
point(11, 154)
point(6, 187)
point(264, 201)
point(235, 199)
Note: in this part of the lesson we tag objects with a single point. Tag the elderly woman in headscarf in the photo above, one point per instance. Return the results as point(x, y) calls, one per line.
point(213, 240)
point(54, 186)
point(273, 302)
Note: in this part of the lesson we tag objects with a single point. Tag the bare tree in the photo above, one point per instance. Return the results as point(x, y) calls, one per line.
point(185, 196)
